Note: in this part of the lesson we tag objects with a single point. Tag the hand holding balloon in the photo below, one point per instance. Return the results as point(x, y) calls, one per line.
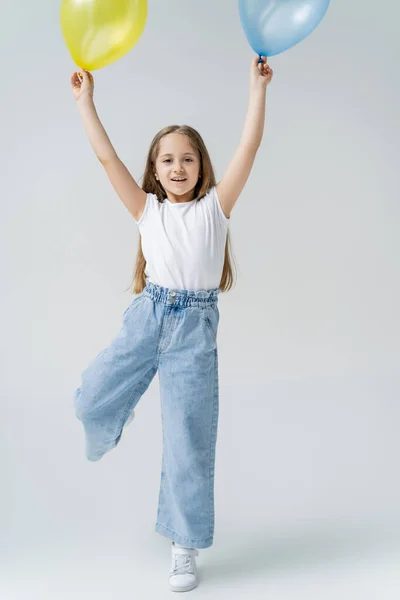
point(261, 73)
point(82, 83)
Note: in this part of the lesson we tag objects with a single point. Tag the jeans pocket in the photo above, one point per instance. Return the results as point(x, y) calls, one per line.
point(132, 304)
point(211, 319)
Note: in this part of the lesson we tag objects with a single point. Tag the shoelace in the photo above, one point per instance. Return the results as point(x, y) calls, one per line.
point(182, 564)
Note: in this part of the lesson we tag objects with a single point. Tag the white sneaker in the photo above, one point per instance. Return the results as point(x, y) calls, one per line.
point(130, 419)
point(183, 574)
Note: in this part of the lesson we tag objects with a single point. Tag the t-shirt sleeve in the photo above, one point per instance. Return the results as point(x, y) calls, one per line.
point(217, 207)
point(147, 208)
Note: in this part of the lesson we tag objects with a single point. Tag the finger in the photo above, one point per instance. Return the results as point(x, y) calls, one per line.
point(89, 78)
point(75, 79)
point(85, 76)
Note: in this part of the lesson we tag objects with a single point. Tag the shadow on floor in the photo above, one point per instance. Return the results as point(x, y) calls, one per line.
point(257, 553)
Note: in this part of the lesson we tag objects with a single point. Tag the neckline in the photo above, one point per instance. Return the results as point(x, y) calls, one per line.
point(179, 203)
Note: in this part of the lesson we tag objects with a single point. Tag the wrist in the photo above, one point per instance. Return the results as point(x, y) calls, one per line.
point(257, 89)
point(85, 100)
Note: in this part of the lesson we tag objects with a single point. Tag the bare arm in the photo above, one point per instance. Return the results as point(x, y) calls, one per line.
point(239, 169)
point(133, 197)
point(253, 128)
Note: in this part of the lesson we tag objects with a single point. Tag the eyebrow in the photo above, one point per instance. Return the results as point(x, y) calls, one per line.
point(184, 154)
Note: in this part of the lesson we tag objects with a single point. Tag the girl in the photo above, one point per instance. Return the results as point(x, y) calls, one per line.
point(183, 263)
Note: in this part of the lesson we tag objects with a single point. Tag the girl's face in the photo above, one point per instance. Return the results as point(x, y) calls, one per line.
point(177, 167)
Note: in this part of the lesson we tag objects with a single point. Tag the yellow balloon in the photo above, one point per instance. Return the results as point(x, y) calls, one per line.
point(99, 32)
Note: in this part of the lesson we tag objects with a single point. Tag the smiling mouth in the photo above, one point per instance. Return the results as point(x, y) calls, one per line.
point(178, 180)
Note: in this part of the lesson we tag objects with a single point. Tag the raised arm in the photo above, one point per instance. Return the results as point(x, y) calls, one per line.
point(238, 171)
point(124, 184)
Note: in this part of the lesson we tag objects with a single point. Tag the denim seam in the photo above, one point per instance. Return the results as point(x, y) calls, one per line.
point(211, 452)
point(160, 495)
point(166, 313)
point(162, 476)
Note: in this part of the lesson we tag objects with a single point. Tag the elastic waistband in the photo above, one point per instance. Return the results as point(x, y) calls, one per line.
point(178, 297)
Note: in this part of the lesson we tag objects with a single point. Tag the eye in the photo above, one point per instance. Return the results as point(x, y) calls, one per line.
point(167, 160)
point(189, 159)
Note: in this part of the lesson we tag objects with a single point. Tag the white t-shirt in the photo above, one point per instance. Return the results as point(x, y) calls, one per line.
point(184, 243)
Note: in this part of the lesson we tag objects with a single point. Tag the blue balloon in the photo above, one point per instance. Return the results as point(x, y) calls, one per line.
point(273, 26)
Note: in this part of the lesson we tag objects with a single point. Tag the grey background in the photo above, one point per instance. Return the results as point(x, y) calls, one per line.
point(307, 486)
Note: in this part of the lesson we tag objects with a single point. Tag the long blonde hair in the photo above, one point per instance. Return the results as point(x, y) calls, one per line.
point(205, 182)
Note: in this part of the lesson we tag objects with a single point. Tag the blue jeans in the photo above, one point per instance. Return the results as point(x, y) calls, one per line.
point(174, 332)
